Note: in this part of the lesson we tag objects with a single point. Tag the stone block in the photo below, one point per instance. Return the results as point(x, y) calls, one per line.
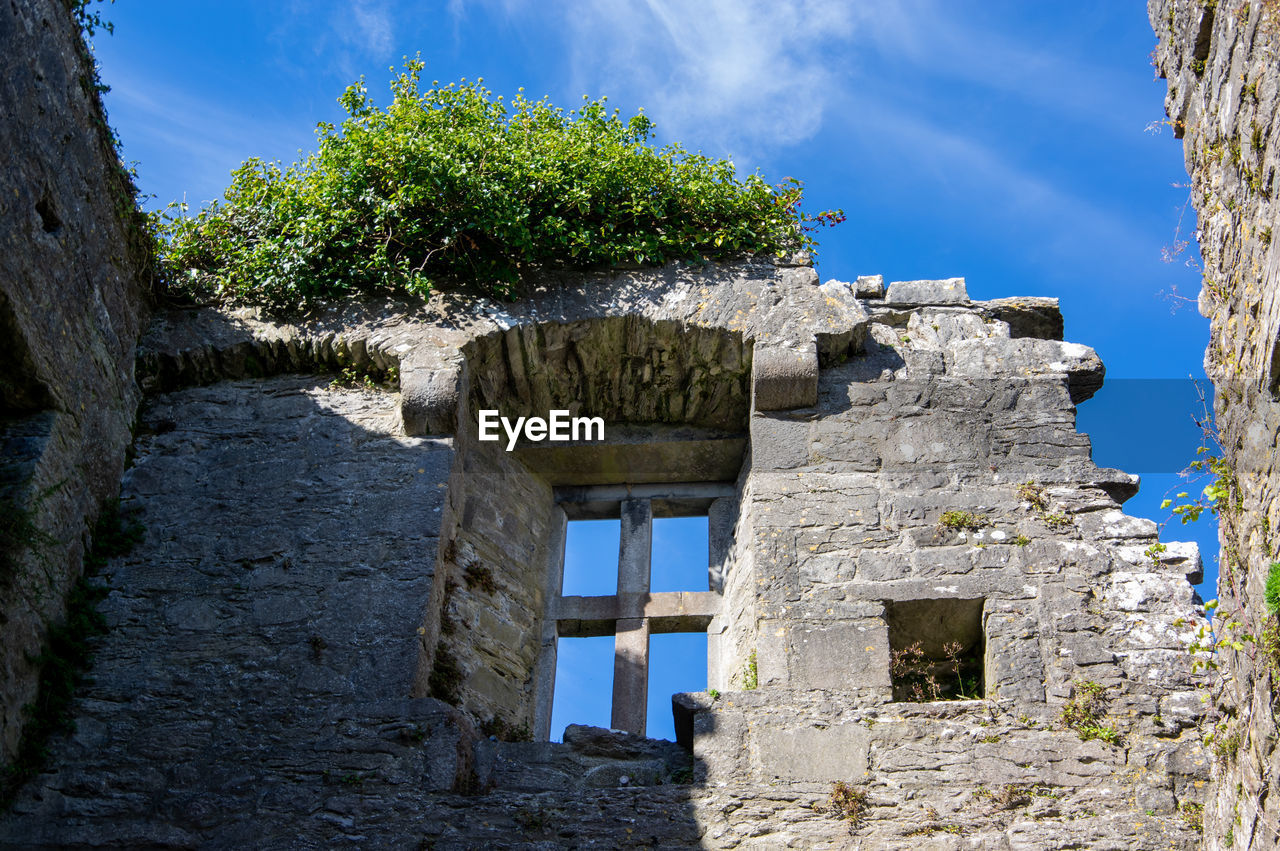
point(1025, 357)
point(429, 399)
point(778, 443)
point(784, 376)
point(883, 566)
point(719, 747)
point(839, 655)
point(933, 440)
point(948, 291)
point(869, 286)
point(621, 775)
point(811, 754)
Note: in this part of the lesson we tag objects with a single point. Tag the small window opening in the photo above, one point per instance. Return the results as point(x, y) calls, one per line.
point(591, 558)
point(677, 663)
point(584, 683)
point(936, 649)
point(679, 554)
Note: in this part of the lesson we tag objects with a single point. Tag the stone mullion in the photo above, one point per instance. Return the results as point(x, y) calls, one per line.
point(545, 670)
point(631, 637)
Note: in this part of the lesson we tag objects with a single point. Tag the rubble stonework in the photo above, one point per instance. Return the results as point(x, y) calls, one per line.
point(1220, 60)
point(337, 615)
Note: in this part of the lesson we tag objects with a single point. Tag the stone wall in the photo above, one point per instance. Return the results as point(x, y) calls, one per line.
point(498, 527)
point(269, 669)
point(71, 308)
point(1222, 61)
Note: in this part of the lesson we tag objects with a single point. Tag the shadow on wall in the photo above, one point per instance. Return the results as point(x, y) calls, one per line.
point(254, 684)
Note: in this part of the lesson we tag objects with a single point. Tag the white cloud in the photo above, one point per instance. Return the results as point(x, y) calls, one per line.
point(373, 32)
point(729, 74)
point(748, 77)
point(971, 170)
point(188, 141)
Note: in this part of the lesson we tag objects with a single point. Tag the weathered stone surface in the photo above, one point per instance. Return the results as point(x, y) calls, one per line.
point(314, 612)
point(72, 304)
point(367, 614)
point(869, 286)
point(949, 291)
point(784, 377)
point(1026, 357)
point(1222, 100)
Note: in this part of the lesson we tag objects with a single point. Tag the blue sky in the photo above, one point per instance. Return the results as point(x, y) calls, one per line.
point(1005, 142)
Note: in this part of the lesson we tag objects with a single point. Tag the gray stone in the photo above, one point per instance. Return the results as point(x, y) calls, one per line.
point(784, 377)
point(816, 754)
point(948, 291)
point(337, 630)
point(869, 286)
point(1028, 358)
point(74, 283)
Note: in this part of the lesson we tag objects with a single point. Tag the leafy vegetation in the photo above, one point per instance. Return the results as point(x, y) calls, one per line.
point(502, 730)
point(751, 674)
point(445, 680)
point(449, 183)
point(369, 377)
point(1192, 815)
point(963, 521)
point(1272, 591)
point(1035, 496)
point(1085, 713)
point(1221, 493)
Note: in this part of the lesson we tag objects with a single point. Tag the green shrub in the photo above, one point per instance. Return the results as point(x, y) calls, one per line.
point(1273, 588)
point(451, 183)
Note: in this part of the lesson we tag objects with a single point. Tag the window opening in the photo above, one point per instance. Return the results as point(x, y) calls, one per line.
point(936, 649)
point(590, 558)
point(680, 551)
point(677, 663)
point(634, 611)
point(584, 683)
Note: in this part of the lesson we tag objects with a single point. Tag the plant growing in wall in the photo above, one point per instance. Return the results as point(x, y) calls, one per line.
point(450, 182)
point(918, 678)
point(1272, 591)
point(1085, 712)
point(848, 803)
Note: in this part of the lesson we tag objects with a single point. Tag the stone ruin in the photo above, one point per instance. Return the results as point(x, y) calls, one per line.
point(341, 625)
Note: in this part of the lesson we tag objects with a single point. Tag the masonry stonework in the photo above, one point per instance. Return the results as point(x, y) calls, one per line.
point(332, 632)
point(1220, 60)
point(72, 304)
